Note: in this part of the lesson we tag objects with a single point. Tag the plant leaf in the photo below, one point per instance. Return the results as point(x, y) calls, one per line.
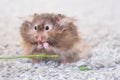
point(83, 68)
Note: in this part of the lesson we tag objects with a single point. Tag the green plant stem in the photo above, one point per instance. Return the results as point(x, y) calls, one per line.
point(29, 56)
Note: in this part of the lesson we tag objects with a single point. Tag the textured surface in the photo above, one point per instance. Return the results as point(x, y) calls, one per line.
point(98, 22)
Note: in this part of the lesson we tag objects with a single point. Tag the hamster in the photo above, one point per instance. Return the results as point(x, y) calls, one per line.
point(51, 33)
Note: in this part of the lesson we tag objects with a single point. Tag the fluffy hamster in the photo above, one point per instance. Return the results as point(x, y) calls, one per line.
point(52, 34)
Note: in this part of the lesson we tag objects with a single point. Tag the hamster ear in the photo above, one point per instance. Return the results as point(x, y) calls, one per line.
point(26, 25)
point(35, 15)
point(66, 20)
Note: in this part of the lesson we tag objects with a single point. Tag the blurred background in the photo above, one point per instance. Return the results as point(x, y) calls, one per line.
point(87, 11)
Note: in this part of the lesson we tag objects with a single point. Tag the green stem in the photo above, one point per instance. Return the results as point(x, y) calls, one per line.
point(29, 56)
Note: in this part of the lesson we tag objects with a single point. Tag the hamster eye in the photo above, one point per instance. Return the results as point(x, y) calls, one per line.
point(35, 27)
point(46, 27)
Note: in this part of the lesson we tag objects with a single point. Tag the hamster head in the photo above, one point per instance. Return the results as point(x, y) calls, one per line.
point(54, 30)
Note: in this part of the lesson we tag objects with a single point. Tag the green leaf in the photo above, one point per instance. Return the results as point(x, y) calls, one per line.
point(83, 68)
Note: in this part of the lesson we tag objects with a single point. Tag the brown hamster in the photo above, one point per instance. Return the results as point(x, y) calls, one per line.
point(52, 34)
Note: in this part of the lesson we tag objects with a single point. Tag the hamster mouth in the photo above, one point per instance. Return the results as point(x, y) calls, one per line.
point(43, 45)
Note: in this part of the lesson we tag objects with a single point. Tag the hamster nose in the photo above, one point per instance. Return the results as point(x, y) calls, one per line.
point(40, 38)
